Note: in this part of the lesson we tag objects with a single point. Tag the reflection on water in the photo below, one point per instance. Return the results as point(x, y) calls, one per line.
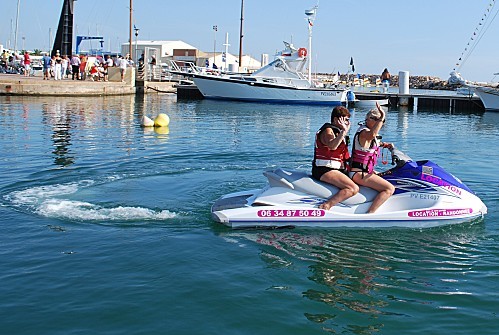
point(69, 118)
point(58, 116)
point(377, 275)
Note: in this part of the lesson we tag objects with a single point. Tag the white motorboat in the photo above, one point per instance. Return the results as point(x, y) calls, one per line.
point(489, 96)
point(425, 196)
point(281, 81)
point(369, 102)
point(488, 92)
point(366, 103)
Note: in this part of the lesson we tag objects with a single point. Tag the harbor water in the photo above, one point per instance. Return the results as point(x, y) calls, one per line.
point(105, 226)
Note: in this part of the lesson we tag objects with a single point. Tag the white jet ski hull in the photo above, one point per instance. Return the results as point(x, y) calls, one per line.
point(292, 198)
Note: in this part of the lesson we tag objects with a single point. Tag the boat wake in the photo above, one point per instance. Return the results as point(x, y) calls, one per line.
point(54, 201)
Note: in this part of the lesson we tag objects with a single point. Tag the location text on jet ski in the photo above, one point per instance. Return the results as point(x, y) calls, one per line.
point(440, 212)
point(438, 181)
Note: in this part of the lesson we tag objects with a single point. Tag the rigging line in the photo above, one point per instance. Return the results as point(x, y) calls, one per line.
point(484, 16)
point(481, 34)
point(484, 29)
point(463, 58)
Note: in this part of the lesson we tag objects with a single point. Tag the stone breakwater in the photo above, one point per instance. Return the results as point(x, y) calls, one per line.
point(421, 82)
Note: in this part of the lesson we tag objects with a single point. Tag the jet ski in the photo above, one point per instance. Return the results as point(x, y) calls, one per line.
point(425, 196)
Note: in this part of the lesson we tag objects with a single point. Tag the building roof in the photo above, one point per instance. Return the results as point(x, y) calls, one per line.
point(166, 46)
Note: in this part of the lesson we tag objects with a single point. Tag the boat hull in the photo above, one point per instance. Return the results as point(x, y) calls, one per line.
point(489, 97)
point(212, 87)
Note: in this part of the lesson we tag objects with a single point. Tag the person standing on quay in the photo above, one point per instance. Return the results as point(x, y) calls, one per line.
point(64, 68)
point(58, 66)
point(46, 66)
point(75, 66)
point(123, 65)
point(385, 80)
point(83, 67)
point(27, 64)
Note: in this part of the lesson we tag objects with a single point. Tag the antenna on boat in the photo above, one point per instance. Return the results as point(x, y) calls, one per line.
point(310, 13)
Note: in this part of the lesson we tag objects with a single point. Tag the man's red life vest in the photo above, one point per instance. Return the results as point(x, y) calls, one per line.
point(334, 159)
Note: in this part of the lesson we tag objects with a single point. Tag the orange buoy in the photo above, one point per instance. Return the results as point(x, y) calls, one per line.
point(302, 52)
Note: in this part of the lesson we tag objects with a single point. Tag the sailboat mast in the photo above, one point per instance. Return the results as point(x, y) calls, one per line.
point(241, 36)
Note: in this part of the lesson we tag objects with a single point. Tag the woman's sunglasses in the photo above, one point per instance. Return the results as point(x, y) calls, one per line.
point(376, 119)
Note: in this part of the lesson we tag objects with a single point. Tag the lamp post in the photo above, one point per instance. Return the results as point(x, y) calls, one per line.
point(136, 37)
point(310, 13)
point(130, 35)
point(215, 29)
point(17, 26)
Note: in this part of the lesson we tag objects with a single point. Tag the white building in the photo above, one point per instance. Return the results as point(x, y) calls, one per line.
point(231, 62)
point(162, 49)
point(181, 51)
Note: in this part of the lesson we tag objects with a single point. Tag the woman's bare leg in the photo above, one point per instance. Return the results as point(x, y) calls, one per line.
point(377, 183)
point(347, 188)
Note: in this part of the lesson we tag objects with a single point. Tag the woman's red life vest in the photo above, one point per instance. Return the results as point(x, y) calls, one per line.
point(364, 159)
point(334, 159)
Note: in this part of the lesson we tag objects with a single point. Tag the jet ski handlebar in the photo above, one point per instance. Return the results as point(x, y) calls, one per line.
point(398, 157)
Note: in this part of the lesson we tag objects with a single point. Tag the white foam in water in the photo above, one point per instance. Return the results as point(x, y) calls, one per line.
point(47, 201)
point(84, 211)
point(33, 196)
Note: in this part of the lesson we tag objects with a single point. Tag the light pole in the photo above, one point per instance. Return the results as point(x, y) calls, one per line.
point(17, 26)
point(130, 35)
point(215, 29)
point(310, 13)
point(136, 37)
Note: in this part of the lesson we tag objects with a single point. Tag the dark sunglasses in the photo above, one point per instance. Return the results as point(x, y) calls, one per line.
point(376, 119)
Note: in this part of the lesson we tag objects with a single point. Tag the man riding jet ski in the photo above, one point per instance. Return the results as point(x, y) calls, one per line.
point(425, 196)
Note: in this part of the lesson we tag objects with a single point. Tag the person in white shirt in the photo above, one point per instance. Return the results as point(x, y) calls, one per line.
point(123, 63)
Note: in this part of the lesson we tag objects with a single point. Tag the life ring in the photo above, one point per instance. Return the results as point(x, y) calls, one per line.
point(302, 52)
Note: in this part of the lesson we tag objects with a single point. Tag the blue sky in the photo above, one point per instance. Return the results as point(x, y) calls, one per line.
point(424, 37)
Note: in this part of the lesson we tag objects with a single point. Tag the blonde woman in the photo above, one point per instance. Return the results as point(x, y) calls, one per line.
point(365, 152)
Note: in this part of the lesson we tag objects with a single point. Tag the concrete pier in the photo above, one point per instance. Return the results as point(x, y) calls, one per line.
point(427, 99)
point(15, 84)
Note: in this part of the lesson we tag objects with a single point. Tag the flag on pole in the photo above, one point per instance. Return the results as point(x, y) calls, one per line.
point(310, 22)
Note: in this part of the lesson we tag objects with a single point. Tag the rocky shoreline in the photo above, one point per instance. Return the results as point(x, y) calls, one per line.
point(420, 82)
